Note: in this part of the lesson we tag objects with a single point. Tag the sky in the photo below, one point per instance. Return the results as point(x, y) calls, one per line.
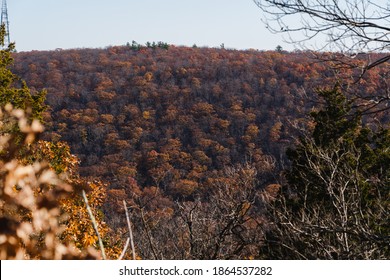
point(52, 24)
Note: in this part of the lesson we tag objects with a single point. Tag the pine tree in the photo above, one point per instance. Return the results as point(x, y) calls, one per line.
point(336, 202)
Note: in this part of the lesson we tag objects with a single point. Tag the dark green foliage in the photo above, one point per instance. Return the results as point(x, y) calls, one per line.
point(136, 47)
point(335, 122)
point(12, 89)
point(340, 130)
point(336, 202)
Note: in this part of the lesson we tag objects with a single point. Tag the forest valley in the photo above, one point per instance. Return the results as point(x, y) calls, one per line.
point(217, 154)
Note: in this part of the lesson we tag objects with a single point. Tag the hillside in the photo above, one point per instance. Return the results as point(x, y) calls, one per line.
point(166, 128)
point(186, 112)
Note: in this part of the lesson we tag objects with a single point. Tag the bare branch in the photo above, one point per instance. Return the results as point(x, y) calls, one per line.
point(351, 25)
point(95, 226)
point(350, 33)
point(124, 249)
point(130, 230)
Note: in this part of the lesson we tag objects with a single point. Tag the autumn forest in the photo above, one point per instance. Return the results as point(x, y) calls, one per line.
point(209, 153)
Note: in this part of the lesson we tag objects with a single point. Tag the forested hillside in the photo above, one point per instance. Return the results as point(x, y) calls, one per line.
point(193, 138)
point(174, 118)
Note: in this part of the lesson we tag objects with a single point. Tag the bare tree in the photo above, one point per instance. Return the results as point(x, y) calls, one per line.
point(352, 34)
point(336, 202)
point(350, 26)
point(227, 224)
point(341, 224)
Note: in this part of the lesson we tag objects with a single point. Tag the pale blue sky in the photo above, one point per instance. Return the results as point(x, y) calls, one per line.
point(51, 24)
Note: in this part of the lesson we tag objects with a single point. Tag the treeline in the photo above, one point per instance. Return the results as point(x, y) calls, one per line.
point(182, 133)
point(136, 46)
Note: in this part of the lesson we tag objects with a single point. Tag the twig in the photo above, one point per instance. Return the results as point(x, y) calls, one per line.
point(95, 227)
point(130, 230)
point(148, 234)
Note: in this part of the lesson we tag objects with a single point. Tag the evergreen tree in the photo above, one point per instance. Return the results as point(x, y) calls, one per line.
point(12, 89)
point(336, 202)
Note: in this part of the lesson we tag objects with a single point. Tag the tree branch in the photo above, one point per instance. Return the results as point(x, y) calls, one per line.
point(95, 226)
